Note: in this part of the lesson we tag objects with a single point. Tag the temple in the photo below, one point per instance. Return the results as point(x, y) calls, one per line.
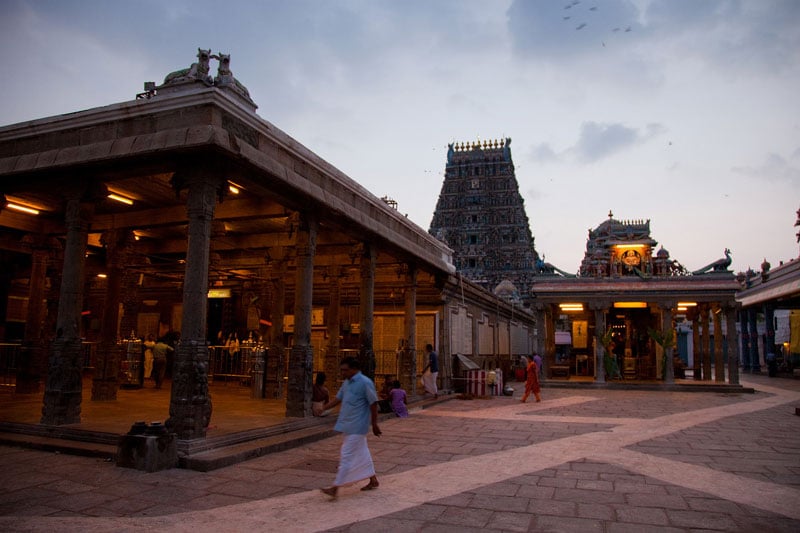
point(617, 320)
point(481, 216)
point(183, 215)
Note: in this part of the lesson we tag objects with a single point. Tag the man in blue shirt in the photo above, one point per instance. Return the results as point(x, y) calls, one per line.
point(359, 407)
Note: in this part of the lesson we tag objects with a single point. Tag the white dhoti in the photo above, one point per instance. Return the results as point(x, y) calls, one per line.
point(429, 382)
point(355, 462)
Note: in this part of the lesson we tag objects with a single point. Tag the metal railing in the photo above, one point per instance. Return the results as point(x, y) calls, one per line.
point(223, 364)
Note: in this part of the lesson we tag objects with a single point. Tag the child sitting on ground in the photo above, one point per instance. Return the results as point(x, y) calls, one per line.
point(399, 400)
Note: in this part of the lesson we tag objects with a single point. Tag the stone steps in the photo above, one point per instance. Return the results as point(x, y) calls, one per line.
point(220, 457)
point(61, 445)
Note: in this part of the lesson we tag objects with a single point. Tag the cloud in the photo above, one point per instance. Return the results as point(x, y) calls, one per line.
point(543, 153)
point(774, 168)
point(600, 140)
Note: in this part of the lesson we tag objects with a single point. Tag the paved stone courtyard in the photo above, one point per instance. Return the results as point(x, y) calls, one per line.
point(581, 460)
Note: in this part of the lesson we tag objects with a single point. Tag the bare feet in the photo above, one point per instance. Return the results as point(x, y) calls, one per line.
point(330, 491)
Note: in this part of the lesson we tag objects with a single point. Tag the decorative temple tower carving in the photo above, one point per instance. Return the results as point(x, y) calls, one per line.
point(624, 248)
point(481, 215)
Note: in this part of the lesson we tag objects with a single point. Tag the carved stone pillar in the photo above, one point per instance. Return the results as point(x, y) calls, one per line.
point(106, 377)
point(705, 341)
point(63, 388)
point(366, 352)
point(129, 295)
point(333, 320)
point(32, 363)
point(755, 360)
point(276, 363)
point(599, 331)
point(666, 327)
point(697, 368)
point(408, 355)
point(745, 333)
point(190, 402)
point(301, 360)
point(733, 355)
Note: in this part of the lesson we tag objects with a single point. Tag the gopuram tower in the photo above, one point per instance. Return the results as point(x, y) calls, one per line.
point(481, 216)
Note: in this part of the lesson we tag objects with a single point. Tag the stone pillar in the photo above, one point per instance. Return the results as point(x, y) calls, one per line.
point(541, 332)
point(599, 332)
point(549, 336)
point(301, 360)
point(755, 362)
point(190, 403)
point(276, 363)
point(769, 328)
point(106, 376)
point(705, 341)
point(31, 366)
point(408, 357)
point(63, 387)
point(366, 352)
point(719, 360)
point(745, 333)
point(129, 294)
point(666, 327)
point(696, 348)
point(733, 356)
point(333, 321)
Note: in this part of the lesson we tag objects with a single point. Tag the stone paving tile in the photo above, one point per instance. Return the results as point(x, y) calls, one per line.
point(580, 495)
point(761, 445)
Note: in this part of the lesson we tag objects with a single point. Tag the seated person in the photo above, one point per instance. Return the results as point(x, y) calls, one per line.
point(399, 400)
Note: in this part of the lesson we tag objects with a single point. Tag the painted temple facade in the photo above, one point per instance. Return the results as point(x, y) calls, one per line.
point(635, 313)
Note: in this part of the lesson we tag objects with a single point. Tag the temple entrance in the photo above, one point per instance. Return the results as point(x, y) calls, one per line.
point(633, 349)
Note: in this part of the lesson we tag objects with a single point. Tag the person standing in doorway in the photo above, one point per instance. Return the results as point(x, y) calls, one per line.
point(431, 372)
point(359, 401)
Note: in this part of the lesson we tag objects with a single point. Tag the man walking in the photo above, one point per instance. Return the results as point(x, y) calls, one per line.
point(429, 378)
point(359, 406)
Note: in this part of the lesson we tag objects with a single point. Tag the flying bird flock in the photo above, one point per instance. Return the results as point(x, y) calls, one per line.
point(576, 12)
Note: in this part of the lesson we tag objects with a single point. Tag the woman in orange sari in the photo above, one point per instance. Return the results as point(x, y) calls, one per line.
point(532, 383)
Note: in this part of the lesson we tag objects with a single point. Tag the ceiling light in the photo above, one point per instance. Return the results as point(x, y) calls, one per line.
point(22, 208)
point(121, 199)
point(687, 304)
point(235, 188)
point(630, 305)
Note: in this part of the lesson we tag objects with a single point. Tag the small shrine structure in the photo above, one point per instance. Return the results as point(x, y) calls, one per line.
point(634, 313)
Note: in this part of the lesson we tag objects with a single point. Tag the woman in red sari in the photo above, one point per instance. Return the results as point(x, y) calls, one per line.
point(532, 384)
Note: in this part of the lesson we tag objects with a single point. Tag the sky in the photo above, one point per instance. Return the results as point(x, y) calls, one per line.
point(683, 112)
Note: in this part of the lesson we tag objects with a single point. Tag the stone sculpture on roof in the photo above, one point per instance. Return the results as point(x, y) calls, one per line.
point(198, 72)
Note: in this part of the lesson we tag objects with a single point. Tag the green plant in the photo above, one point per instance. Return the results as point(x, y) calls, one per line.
point(609, 363)
point(665, 339)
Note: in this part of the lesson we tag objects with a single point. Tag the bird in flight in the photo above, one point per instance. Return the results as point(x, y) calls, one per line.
point(581, 26)
point(627, 29)
point(593, 8)
point(567, 18)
